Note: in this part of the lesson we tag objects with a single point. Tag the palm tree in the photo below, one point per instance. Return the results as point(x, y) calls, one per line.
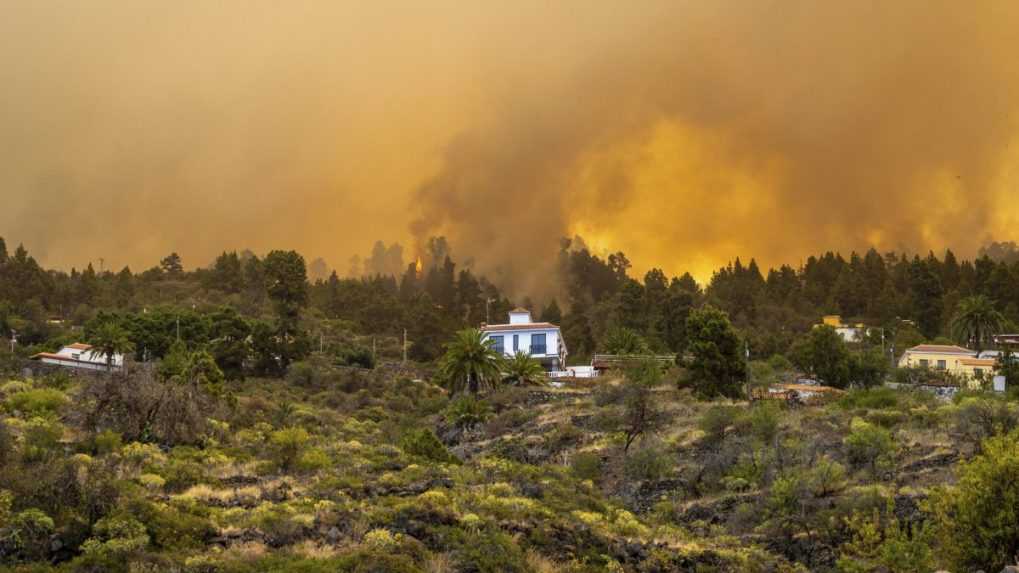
point(976, 320)
point(471, 361)
point(625, 342)
point(522, 369)
point(108, 340)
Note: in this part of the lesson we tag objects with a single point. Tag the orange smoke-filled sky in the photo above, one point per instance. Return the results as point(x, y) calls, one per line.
point(683, 133)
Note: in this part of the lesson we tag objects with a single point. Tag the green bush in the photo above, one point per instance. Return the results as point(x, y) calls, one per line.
point(288, 445)
point(106, 442)
point(716, 420)
point(425, 444)
point(490, 552)
point(586, 465)
point(467, 412)
point(41, 439)
point(313, 460)
point(982, 508)
point(36, 401)
point(880, 543)
point(649, 463)
point(115, 539)
point(869, 445)
point(870, 398)
point(826, 477)
point(886, 418)
point(763, 421)
point(979, 417)
point(27, 534)
point(175, 528)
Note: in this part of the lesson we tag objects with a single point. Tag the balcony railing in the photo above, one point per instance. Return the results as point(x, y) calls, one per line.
point(538, 349)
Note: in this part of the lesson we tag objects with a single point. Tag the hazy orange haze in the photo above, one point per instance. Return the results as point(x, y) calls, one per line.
point(683, 133)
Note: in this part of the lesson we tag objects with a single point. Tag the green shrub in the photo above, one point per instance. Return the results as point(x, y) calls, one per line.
point(313, 460)
point(466, 412)
point(115, 539)
point(978, 418)
point(106, 442)
point(36, 401)
point(826, 477)
point(288, 445)
point(982, 508)
point(871, 398)
point(586, 465)
point(886, 418)
point(490, 552)
point(358, 356)
point(425, 444)
point(41, 439)
point(869, 445)
point(716, 420)
point(27, 534)
point(649, 463)
point(175, 528)
point(763, 421)
point(785, 504)
point(879, 543)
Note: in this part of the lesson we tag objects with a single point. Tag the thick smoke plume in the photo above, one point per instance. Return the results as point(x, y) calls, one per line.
point(772, 129)
point(683, 133)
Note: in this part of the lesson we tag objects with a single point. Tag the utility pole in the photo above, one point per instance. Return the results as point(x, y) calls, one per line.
point(746, 347)
point(404, 345)
point(14, 339)
point(488, 319)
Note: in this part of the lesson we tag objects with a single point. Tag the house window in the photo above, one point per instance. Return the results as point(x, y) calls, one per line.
point(942, 365)
point(978, 373)
point(924, 363)
point(516, 342)
point(497, 344)
point(538, 344)
point(76, 356)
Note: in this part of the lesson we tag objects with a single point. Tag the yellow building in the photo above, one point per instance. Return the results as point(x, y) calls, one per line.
point(956, 360)
point(977, 368)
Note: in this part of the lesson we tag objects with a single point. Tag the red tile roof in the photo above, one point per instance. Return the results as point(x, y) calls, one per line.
point(79, 346)
point(941, 349)
point(52, 356)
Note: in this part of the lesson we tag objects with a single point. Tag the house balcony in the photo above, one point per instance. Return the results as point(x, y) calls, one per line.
point(538, 350)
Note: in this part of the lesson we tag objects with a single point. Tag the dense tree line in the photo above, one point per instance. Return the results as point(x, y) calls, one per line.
point(597, 300)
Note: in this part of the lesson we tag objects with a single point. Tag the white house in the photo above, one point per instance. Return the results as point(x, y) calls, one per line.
point(543, 341)
point(79, 355)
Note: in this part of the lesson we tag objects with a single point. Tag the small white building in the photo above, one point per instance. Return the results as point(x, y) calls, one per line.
point(848, 332)
point(79, 355)
point(543, 341)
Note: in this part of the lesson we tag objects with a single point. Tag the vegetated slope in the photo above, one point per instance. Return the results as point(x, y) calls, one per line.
point(336, 471)
point(341, 469)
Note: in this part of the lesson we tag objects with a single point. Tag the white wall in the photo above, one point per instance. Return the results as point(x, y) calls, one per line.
point(551, 340)
point(519, 317)
point(90, 356)
point(81, 365)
